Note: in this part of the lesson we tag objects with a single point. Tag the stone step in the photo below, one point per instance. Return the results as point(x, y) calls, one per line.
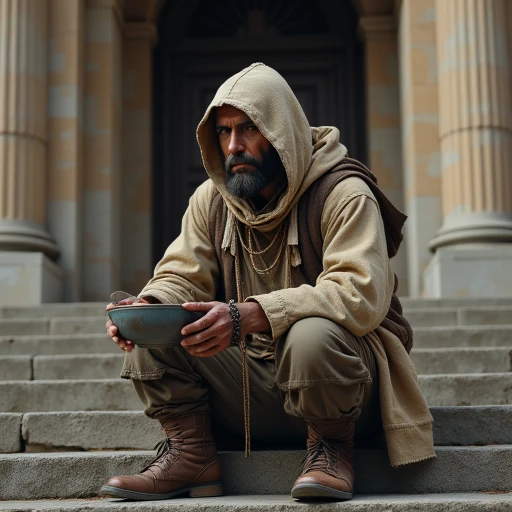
point(95, 324)
point(58, 344)
point(80, 366)
point(429, 361)
point(501, 315)
point(434, 317)
point(424, 337)
point(467, 389)
point(463, 336)
point(108, 366)
point(25, 327)
point(85, 309)
point(99, 430)
point(78, 325)
point(58, 325)
point(98, 308)
point(76, 309)
point(409, 303)
point(81, 474)
point(456, 502)
point(69, 366)
point(10, 433)
point(68, 395)
point(15, 368)
point(495, 315)
point(118, 394)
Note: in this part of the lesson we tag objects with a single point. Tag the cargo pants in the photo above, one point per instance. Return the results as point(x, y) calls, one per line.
point(321, 371)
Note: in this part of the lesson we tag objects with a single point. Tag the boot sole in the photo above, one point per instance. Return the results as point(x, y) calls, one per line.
point(317, 491)
point(200, 491)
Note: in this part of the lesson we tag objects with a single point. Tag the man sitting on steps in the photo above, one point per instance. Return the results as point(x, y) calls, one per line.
point(287, 249)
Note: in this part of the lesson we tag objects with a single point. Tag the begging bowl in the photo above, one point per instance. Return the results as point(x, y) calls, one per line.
point(153, 325)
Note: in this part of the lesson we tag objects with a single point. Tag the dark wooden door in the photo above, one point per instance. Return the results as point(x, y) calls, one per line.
point(326, 79)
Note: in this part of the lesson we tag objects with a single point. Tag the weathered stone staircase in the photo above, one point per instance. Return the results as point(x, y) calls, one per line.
point(67, 422)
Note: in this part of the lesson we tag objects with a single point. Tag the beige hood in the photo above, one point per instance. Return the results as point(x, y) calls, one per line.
point(307, 153)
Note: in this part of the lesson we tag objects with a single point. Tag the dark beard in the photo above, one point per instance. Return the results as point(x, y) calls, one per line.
point(247, 185)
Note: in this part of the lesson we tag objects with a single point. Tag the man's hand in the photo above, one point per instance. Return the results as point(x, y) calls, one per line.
point(112, 330)
point(212, 333)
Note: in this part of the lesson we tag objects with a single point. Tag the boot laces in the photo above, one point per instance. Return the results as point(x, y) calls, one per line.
point(168, 450)
point(321, 456)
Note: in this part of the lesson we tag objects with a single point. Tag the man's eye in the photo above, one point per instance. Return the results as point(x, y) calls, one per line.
point(222, 131)
point(251, 128)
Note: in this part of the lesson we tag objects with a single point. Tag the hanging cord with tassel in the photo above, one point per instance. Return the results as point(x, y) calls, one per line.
point(242, 344)
point(237, 340)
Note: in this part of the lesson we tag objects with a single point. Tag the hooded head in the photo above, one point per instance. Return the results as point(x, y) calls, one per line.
point(268, 101)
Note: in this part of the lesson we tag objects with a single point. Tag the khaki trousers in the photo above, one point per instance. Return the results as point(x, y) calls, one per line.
point(321, 371)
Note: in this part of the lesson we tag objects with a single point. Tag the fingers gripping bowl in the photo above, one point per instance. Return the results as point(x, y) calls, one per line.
point(153, 325)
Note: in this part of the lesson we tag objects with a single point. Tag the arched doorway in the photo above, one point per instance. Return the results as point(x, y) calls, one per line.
point(314, 45)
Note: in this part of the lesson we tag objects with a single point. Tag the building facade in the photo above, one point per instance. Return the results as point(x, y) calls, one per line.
point(99, 100)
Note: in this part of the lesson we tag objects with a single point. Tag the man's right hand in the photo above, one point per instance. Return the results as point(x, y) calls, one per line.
point(112, 330)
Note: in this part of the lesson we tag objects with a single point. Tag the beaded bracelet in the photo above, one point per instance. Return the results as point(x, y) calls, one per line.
point(235, 316)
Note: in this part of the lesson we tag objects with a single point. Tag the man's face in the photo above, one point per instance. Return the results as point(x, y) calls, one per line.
point(251, 162)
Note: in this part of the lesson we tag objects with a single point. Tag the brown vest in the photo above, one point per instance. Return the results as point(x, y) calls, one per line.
point(310, 238)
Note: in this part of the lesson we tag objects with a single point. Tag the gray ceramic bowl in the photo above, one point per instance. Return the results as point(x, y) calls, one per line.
point(153, 325)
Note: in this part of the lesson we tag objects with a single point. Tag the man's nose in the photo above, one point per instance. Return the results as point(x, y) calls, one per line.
point(236, 145)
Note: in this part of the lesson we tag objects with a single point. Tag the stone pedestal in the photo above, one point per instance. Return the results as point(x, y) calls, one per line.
point(472, 270)
point(28, 279)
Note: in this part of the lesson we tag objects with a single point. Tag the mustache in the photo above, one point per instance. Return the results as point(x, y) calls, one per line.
point(233, 160)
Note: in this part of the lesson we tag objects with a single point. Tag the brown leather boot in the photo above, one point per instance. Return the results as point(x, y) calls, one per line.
point(187, 464)
point(327, 471)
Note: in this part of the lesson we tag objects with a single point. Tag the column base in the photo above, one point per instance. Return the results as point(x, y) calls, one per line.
point(472, 270)
point(25, 236)
point(474, 228)
point(29, 279)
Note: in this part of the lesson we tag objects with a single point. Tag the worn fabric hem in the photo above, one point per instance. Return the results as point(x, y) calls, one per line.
point(353, 414)
point(409, 445)
point(133, 374)
point(163, 297)
point(302, 384)
point(421, 459)
point(414, 461)
point(402, 426)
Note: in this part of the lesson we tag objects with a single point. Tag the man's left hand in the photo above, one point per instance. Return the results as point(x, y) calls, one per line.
point(212, 333)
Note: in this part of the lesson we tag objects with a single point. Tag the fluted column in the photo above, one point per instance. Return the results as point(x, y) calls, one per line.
point(136, 163)
point(475, 122)
point(420, 133)
point(65, 136)
point(103, 87)
point(23, 42)
point(383, 118)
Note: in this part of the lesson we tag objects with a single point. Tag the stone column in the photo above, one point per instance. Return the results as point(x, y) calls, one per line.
point(26, 249)
point(420, 133)
point(65, 122)
point(136, 265)
point(473, 247)
point(383, 118)
point(102, 149)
